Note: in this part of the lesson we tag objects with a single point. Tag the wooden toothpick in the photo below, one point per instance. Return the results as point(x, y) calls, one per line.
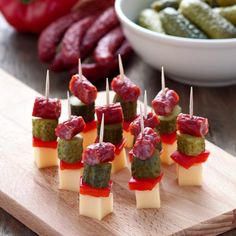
point(47, 85)
point(80, 69)
point(107, 92)
point(191, 103)
point(145, 104)
point(141, 119)
point(121, 68)
point(101, 129)
point(68, 105)
point(163, 83)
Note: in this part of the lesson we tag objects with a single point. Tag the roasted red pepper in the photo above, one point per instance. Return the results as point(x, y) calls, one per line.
point(168, 138)
point(90, 126)
point(188, 161)
point(71, 166)
point(86, 189)
point(39, 143)
point(144, 184)
point(34, 15)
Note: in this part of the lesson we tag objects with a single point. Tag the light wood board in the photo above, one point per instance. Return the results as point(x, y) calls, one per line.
point(32, 196)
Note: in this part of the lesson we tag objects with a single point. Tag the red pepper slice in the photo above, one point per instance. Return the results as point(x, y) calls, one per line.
point(188, 161)
point(71, 166)
point(86, 189)
point(131, 155)
point(168, 138)
point(126, 125)
point(90, 126)
point(39, 143)
point(144, 184)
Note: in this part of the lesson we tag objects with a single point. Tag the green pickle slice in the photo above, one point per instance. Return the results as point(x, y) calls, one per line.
point(78, 108)
point(129, 108)
point(150, 168)
point(162, 4)
point(190, 145)
point(98, 176)
point(149, 19)
point(113, 133)
point(168, 123)
point(229, 13)
point(44, 129)
point(70, 151)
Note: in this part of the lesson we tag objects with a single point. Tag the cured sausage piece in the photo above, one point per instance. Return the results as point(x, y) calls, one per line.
point(47, 108)
point(107, 46)
point(68, 129)
point(163, 104)
point(83, 89)
point(99, 153)
point(105, 22)
point(195, 126)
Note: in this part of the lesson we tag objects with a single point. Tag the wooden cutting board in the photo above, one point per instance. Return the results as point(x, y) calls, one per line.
point(32, 196)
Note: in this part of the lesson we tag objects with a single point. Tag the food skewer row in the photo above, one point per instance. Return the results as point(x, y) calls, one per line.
point(113, 130)
point(146, 169)
point(96, 199)
point(191, 151)
point(165, 105)
point(126, 93)
point(70, 149)
point(46, 112)
point(83, 104)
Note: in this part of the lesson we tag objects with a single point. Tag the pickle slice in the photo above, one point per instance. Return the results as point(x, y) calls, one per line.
point(162, 4)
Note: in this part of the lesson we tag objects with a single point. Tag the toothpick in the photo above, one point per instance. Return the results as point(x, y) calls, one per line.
point(141, 119)
point(107, 92)
point(101, 129)
point(47, 85)
point(163, 86)
point(145, 104)
point(68, 104)
point(80, 69)
point(121, 68)
point(191, 103)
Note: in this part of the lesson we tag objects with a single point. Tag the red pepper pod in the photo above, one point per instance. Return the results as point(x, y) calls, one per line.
point(125, 88)
point(68, 129)
point(47, 108)
point(145, 144)
point(195, 126)
point(83, 89)
point(99, 153)
point(163, 104)
point(112, 114)
point(151, 121)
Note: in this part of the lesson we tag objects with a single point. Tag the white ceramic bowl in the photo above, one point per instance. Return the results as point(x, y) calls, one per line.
point(191, 61)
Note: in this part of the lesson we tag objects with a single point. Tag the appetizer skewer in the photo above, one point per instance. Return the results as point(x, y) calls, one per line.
point(145, 168)
point(46, 112)
point(70, 149)
point(191, 151)
point(127, 94)
point(165, 105)
point(113, 130)
point(83, 104)
point(96, 199)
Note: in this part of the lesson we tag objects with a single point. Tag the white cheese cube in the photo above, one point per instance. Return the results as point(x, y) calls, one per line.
point(129, 139)
point(89, 137)
point(167, 151)
point(120, 162)
point(70, 179)
point(45, 157)
point(95, 207)
point(191, 176)
point(148, 198)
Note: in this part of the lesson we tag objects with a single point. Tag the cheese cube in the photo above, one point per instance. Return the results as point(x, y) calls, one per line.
point(45, 157)
point(120, 162)
point(70, 179)
point(95, 207)
point(167, 151)
point(129, 139)
point(191, 176)
point(148, 198)
point(89, 137)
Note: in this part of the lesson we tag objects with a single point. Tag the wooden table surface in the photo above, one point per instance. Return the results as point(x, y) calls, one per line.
point(18, 55)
